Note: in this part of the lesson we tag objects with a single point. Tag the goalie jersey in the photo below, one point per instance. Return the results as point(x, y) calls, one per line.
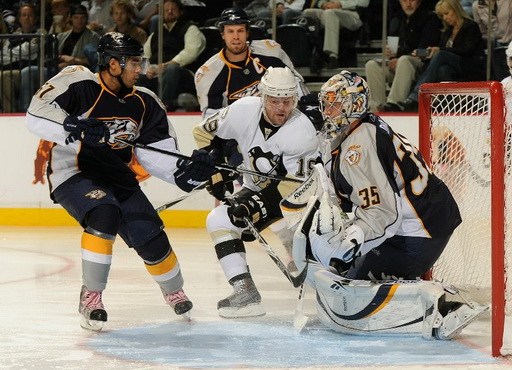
point(133, 114)
point(220, 82)
point(386, 183)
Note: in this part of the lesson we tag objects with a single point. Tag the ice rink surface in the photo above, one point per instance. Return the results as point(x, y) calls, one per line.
point(40, 280)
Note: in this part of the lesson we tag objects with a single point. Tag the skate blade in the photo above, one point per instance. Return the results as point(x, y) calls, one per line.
point(252, 310)
point(186, 316)
point(92, 325)
point(459, 328)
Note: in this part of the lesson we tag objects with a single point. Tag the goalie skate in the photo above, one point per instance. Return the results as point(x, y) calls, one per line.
point(458, 319)
point(245, 301)
point(92, 310)
point(180, 303)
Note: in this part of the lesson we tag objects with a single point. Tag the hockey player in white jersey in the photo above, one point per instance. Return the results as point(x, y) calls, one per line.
point(82, 114)
point(274, 137)
point(367, 269)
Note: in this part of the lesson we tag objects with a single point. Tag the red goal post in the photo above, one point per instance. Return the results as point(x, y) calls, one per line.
point(466, 140)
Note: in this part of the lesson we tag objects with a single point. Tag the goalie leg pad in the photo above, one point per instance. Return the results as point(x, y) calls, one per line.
point(366, 307)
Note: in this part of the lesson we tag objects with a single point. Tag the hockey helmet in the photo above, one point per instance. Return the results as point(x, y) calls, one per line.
point(232, 16)
point(278, 82)
point(344, 98)
point(120, 46)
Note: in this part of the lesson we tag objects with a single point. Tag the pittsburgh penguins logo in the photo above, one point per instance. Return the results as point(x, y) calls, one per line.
point(266, 162)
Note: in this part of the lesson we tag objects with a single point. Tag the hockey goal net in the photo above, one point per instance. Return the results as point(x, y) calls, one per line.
point(466, 139)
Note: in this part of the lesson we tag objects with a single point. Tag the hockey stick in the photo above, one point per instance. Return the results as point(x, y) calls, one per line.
point(299, 319)
point(180, 198)
point(295, 280)
point(238, 169)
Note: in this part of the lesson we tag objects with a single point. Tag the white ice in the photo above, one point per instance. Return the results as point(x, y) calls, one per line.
point(40, 281)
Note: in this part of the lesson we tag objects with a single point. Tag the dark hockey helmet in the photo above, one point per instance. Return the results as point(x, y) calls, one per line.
point(120, 46)
point(231, 16)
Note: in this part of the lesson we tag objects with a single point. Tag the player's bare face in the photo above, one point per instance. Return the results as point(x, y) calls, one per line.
point(278, 110)
point(410, 6)
point(235, 37)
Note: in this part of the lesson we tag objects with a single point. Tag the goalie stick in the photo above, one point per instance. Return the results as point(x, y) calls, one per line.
point(295, 280)
point(238, 169)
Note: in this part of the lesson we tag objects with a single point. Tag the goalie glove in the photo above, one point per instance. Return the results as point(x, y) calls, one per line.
point(88, 130)
point(328, 237)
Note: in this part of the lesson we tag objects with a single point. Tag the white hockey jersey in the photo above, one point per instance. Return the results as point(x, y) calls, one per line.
point(288, 150)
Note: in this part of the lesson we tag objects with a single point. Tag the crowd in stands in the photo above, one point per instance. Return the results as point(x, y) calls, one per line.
point(453, 33)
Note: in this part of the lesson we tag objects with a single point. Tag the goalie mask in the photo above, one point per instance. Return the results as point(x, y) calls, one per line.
point(122, 47)
point(278, 89)
point(343, 99)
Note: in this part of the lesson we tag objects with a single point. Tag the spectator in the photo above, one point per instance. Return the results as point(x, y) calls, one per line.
point(333, 15)
point(467, 6)
point(285, 10)
point(501, 30)
point(507, 84)
point(144, 11)
point(182, 44)
point(459, 55)
point(18, 53)
point(72, 43)
point(100, 18)
point(122, 12)
point(417, 27)
point(61, 18)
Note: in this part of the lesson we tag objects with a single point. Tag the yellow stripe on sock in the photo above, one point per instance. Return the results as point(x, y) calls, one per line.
point(163, 267)
point(96, 244)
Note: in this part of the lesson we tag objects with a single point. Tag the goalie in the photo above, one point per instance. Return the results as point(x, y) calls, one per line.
point(368, 272)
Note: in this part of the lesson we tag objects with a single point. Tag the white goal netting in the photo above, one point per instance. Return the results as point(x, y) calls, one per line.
point(464, 123)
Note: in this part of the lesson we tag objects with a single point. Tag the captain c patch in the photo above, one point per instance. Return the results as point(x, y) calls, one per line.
point(353, 155)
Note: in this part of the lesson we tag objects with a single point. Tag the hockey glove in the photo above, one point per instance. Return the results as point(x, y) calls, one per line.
point(88, 130)
point(220, 183)
point(191, 173)
point(253, 206)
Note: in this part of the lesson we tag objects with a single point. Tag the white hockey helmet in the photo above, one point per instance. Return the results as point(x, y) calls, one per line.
point(278, 82)
point(345, 96)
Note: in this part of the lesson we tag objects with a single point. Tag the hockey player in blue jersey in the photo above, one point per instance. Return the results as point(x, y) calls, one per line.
point(83, 113)
point(403, 217)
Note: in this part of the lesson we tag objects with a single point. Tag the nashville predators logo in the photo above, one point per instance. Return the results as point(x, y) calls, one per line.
point(122, 128)
point(353, 155)
point(96, 194)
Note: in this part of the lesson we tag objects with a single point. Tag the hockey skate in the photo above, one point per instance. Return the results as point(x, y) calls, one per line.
point(179, 303)
point(92, 310)
point(245, 301)
point(457, 319)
